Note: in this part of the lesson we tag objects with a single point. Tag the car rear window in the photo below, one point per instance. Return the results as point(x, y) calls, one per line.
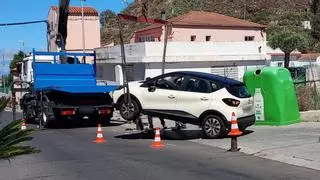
point(239, 91)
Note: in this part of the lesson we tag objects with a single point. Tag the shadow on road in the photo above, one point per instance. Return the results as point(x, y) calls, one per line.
point(165, 135)
point(67, 124)
point(171, 135)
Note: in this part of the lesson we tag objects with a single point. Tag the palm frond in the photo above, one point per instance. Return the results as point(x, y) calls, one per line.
point(10, 136)
point(10, 128)
point(13, 151)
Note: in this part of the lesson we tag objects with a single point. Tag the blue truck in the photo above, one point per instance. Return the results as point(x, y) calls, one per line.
point(64, 91)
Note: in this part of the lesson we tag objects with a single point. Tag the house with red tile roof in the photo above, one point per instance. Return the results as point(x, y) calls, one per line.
point(197, 41)
point(74, 29)
point(201, 26)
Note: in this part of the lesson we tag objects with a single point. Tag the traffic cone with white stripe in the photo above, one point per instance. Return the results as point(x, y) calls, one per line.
point(234, 126)
point(99, 138)
point(23, 125)
point(157, 140)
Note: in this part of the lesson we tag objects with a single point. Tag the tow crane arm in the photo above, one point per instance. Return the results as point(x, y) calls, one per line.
point(62, 23)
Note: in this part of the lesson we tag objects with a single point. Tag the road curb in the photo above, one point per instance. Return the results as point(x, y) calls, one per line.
point(310, 116)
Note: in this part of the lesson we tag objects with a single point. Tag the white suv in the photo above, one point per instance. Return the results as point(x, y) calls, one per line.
point(191, 97)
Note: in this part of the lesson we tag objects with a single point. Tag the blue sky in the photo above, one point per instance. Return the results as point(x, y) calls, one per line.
point(34, 36)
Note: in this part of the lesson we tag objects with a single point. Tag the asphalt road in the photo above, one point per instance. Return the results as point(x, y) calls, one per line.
point(71, 154)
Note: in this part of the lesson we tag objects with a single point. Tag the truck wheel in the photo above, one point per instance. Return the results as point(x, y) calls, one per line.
point(45, 120)
point(212, 126)
point(130, 111)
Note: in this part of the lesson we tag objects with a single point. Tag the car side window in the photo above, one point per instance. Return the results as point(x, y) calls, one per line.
point(172, 82)
point(197, 85)
point(214, 86)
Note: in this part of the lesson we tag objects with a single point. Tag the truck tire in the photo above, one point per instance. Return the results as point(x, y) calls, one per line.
point(47, 117)
point(45, 120)
point(213, 127)
point(130, 111)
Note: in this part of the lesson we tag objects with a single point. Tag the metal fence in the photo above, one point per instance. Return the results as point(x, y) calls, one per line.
point(308, 88)
point(4, 90)
point(308, 95)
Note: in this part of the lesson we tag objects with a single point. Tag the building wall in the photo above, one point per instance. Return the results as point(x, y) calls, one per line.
point(92, 32)
point(74, 38)
point(216, 34)
point(140, 71)
point(157, 33)
point(185, 52)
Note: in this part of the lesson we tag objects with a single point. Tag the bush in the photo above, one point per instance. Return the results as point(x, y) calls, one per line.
point(308, 98)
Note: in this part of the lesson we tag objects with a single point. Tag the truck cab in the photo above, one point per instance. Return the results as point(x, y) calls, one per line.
point(26, 68)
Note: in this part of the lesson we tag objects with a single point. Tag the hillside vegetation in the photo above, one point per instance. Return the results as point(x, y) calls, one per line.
point(277, 14)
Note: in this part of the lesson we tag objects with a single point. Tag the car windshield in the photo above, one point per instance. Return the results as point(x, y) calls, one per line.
point(239, 91)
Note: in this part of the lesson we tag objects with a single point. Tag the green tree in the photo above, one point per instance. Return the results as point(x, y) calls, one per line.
point(288, 41)
point(110, 28)
point(17, 58)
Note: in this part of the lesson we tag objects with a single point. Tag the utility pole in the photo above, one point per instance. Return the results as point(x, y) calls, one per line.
point(3, 79)
point(22, 45)
point(163, 17)
point(83, 35)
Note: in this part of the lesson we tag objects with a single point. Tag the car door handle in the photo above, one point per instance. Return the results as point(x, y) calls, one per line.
point(171, 97)
point(204, 99)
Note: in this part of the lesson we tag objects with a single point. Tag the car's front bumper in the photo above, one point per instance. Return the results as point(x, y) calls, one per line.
point(245, 122)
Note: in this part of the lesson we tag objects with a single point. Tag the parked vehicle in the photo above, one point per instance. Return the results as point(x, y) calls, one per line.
point(66, 91)
point(198, 98)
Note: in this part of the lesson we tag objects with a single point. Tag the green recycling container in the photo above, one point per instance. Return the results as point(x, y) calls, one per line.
point(275, 100)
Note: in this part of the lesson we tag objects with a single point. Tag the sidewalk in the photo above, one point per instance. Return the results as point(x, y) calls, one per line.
point(296, 144)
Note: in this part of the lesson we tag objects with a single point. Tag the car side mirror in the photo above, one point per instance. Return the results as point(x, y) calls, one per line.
point(152, 88)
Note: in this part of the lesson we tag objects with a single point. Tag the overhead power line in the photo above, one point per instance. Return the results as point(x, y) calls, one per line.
point(22, 23)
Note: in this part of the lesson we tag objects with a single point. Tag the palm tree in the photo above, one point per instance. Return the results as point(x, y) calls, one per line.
point(11, 136)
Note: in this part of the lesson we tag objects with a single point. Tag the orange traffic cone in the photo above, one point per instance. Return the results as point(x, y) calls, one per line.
point(99, 138)
point(234, 126)
point(157, 140)
point(23, 125)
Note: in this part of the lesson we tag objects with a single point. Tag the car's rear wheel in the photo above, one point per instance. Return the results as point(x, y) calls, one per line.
point(129, 111)
point(213, 126)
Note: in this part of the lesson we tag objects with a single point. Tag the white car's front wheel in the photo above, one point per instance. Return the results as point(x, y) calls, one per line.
point(129, 111)
point(213, 126)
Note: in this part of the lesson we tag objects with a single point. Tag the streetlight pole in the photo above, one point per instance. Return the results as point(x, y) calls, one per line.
point(83, 35)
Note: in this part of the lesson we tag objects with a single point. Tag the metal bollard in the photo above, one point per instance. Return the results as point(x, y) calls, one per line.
point(234, 144)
